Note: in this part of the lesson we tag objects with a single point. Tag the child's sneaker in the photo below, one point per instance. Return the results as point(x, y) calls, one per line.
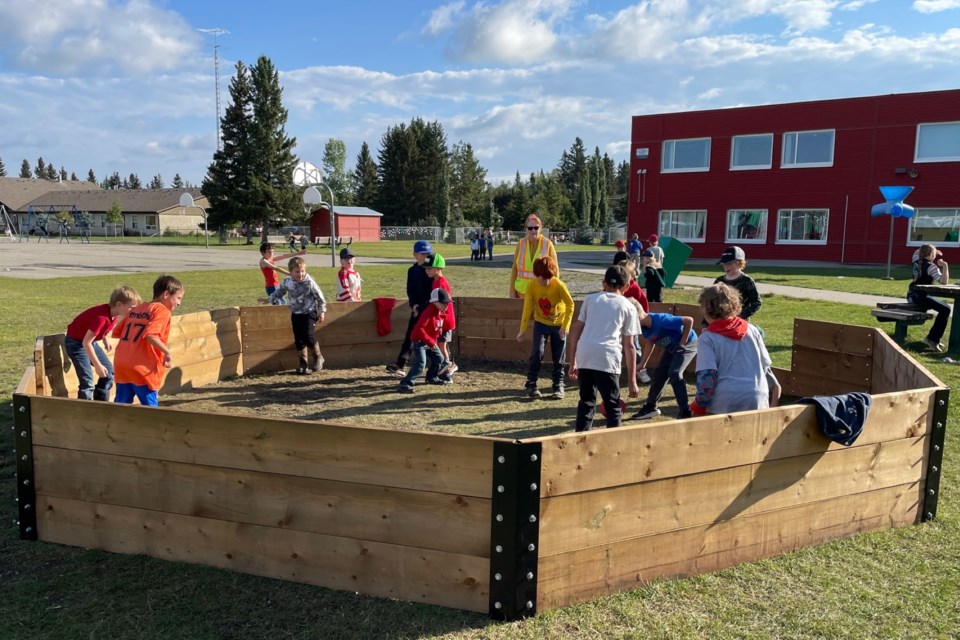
point(448, 369)
point(405, 388)
point(558, 393)
point(533, 392)
point(683, 415)
point(643, 376)
point(301, 371)
point(395, 369)
point(935, 346)
point(440, 381)
point(318, 365)
point(645, 413)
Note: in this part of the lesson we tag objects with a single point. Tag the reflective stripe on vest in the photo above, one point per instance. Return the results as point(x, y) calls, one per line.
point(525, 265)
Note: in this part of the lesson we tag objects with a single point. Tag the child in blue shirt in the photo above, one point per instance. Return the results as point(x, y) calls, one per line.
point(678, 341)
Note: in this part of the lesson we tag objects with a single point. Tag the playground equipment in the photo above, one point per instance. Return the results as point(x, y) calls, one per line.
point(497, 525)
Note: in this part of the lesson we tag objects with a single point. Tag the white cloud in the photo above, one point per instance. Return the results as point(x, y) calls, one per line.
point(92, 37)
point(710, 94)
point(443, 18)
point(855, 5)
point(935, 6)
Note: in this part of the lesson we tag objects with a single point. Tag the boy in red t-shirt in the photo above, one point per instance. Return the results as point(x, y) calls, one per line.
point(142, 355)
point(434, 265)
point(431, 324)
point(269, 268)
point(83, 334)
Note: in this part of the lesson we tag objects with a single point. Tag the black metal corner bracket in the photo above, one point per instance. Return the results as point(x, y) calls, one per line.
point(23, 448)
point(515, 530)
point(931, 492)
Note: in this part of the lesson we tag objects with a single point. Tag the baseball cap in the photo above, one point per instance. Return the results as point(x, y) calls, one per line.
point(346, 253)
point(620, 256)
point(647, 253)
point(620, 244)
point(653, 238)
point(435, 261)
point(440, 295)
point(422, 246)
point(732, 254)
point(616, 276)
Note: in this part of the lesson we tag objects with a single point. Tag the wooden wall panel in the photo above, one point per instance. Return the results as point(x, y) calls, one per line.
point(201, 374)
point(391, 571)
point(839, 366)
point(608, 516)
point(28, 382)
point(897, 370)
point(578, 576)
point(346, 509)
point(833, 337)
point(423, 461)
point(630, 454)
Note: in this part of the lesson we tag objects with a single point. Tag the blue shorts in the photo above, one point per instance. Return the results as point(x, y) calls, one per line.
point(127, 391)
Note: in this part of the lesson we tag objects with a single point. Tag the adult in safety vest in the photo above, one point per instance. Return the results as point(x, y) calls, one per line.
point(530, 247)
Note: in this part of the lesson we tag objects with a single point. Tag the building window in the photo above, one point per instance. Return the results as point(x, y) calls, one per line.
point(688, 226)
point(938, 142)
point(751, 152)
point(150, 223)
point(807, 226)
point(808, 149)
point(747, 226)
point(940, 227)
point(686, 155)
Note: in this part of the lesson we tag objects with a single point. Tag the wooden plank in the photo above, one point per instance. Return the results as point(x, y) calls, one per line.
point(833, 337)
point(608, 516)
point(493, 349)
point(612, 457)
point(436, 462)
point(391, 571)
point(437, 521)
point(582, 575)
point(200, 349)
point(39, 384)
point(59, 376)
point(488, 307)
point(201, 374)
point(28, 382)
point(806, 384)
point(834, 365)
point(489, 327)
point(896, 370)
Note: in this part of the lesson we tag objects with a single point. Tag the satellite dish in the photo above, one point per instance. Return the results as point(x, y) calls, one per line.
point(312, 198)
point(186, 200)
point(307, 173)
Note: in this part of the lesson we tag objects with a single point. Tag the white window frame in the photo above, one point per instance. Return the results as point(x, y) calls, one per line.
point(760, 238)
point(784, 164)
point(672, 155)
point(818, 241)
point(939, 241)
point(750, 167)
point(667, 226)
point(916, 147)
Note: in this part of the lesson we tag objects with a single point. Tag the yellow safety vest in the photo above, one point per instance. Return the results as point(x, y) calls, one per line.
point(525, 264)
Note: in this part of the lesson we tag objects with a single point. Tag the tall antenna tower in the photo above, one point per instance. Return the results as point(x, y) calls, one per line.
point(215, 32)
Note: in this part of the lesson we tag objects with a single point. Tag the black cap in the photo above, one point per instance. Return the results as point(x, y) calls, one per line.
point(616, 276)
point(440, 295)
point(732, 254)
point(346, 253)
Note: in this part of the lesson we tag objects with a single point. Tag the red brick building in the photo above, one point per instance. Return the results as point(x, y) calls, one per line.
point(797, 181)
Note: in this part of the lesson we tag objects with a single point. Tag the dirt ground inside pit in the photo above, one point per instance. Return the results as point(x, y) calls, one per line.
point(487, 398)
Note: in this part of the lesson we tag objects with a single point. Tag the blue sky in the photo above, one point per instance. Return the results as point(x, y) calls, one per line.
point(128, 85)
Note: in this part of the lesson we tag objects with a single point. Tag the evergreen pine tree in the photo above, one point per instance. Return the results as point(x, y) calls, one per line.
point(365, 179)
point(3, 169)
point(40, 171)
point(73, 177)
point(334, 171)
point(52, 173)
point(468, 184)
point(156, 182)
point(63, 174)
point(133, 182)
point(177, 182)
point(25, 169)
point(91, 176)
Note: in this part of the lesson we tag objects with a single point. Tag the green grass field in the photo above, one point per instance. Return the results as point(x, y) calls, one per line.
point(895, 584)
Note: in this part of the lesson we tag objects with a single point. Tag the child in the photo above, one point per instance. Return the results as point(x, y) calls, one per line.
point(307, 307)
point(634, 292)
point(676, 337)
point(474, 249)
point(733, 365)
point(654, 242)
point(548, 301)
point(269, 269)
point(930, 268)
point(419, 285)
point(635, 248)
point(427, 331)
point(733, 261)
point(434, 265)
point(87, 356)
point(348, 280)
point(653, 275)
point(604, 329)
point(142, 356)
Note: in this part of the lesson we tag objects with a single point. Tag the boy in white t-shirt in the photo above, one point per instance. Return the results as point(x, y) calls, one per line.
point(603, 331)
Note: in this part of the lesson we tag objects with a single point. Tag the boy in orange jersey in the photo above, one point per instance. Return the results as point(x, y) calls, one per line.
point(269, 268)
point(142, 357)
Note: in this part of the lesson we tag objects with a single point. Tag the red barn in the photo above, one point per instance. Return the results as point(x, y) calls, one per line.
point(360, 222)
point(797, 181)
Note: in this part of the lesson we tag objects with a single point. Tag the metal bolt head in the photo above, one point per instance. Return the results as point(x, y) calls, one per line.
point(533, 486)
point(498, 549)
point(529, 575)
point(500, 488)
point(497, 605)
point(942, 403)
point(929, 515)
point(533, 518)
point(501, 459)
point(29, 530)
point(26, 482)
point(932, 492)
point(529, 604)
point(936, 447)
point(24, 457)
point(499, 517)
point(23, 409)
point(934, 468)
point(23, 434)
point(497, 577)
point(939, 425)
point(531, 547)
point(533, 457)
point(27, 507)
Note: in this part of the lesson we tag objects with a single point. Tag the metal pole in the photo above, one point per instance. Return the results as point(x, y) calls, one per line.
point(890, 249)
